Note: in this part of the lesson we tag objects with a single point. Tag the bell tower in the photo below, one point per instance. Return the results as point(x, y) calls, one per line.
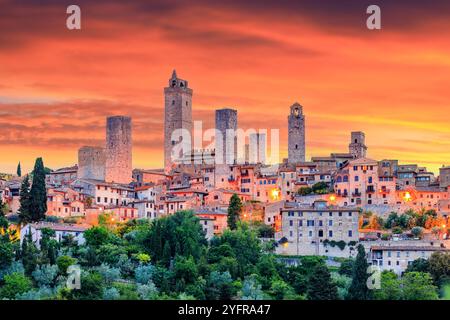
point(177, 115)
point(357, 147)
point(296, 134)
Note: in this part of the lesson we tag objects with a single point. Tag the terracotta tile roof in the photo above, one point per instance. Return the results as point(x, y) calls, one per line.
point(409, 248)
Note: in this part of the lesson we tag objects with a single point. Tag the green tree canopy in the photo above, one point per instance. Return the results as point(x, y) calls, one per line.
point(304, 191)
point(419, 265)
point(390, 287)
point(320, 187)
point(220, 286)
point(418, 286)
point(346, 267)
point(15, 283)
point(320, 285)
point(177, 235)
point(64, 262)
point(245, 245)
point(91, 287)
point(439, 267)
point(97, 236)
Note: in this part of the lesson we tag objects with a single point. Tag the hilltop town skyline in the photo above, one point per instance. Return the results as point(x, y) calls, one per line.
point(208, 119)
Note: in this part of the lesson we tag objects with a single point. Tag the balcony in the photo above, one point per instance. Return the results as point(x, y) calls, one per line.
point(356, 194)
point(344, 194)
point(385, 190)
point(370, 189)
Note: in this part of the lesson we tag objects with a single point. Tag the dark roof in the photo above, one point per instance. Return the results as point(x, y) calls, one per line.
point(58, 226)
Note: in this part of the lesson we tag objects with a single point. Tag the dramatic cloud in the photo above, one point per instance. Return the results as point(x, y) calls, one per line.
point(57, 86)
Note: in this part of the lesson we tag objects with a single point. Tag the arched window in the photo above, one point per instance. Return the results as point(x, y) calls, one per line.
point(345, 178)
point(339, 179)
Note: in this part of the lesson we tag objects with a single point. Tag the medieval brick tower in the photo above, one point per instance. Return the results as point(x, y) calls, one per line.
point(91, 163)
point(118, 167)
point(226, 121)
point(257, 148)
point(296, 134)
point(357, 147)
point(177, 115)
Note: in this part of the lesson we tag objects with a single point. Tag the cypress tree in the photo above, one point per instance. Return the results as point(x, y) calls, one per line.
point(25, 202)
point(167, 255)
point(320, 285)
point(234, 210)
point(2, 208)
point(29, 254)
point(358, 289)
point(52, 252)
point(38, 192)
point(19, 170)
point(48, 246)
point(3, 221)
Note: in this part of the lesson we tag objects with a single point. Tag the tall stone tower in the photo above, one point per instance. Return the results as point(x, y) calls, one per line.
point(257, 148)
point(91, 163)
point(226, 119)
point(357, 147)
point(296, 134)
point(177, 115)
point(118, 166)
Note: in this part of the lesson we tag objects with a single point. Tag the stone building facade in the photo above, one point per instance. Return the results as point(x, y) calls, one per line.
point(396, 257)
point(177, 115)
point(226, 149)
point(387, 168)
point(444, 177)
point(91, 163)
point(118, 167)
point(358, 184)
point(312, 230)
point(62, 177)
point(296, 134)
point(357, 147)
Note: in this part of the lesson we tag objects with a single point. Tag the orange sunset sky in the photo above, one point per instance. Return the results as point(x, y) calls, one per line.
point(57, 86)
